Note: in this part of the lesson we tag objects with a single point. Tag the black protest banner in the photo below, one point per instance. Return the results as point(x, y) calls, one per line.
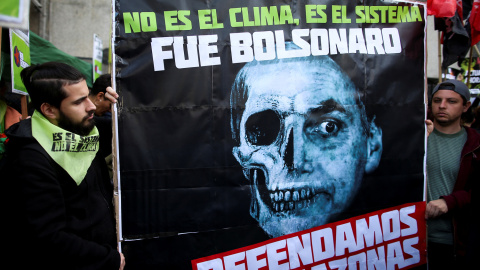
point(243, 123)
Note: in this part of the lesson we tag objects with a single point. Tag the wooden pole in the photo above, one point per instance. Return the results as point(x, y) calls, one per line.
point(476, 49)
point(24, 106)
point(469, 66)
point(439, 58)
point(1, 44)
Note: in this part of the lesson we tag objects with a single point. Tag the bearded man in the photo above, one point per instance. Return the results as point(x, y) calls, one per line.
point(56, 194)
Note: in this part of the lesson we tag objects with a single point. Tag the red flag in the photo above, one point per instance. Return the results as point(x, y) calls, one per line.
point(460, 9)
point(442, 8)
point(475, 22)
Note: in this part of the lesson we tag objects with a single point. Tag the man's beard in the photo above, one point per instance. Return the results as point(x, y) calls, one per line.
point(83, 128)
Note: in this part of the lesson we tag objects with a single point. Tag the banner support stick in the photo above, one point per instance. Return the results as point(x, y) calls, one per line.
point(1, 44)
point(440, 71)
point(469, 66)
point(476, 49)
point(24, 106)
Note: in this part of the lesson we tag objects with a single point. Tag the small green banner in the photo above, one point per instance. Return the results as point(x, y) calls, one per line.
point(14, 13)
point(10, 8)
point(97, 56)
point(19, 58)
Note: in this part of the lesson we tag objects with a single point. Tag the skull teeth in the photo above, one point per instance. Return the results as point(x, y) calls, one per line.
point(294, 195)
point(282, 201)
point(291, 199)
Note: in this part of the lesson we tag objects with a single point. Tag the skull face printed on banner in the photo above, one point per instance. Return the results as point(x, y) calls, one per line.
point(304, 141)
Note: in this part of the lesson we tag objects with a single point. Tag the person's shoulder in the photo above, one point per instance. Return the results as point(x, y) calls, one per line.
point(473, 140)
point(22, 146)
point(21, 130)
point(27, 162)
point(102, 120)
point(30, 152)
point(103, 124)
point(473, 134)
point(12, 116)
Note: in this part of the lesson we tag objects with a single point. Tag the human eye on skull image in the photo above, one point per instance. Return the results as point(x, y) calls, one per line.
point(304, 141)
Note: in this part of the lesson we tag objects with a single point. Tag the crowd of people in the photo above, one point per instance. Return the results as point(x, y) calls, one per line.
point(60, 205)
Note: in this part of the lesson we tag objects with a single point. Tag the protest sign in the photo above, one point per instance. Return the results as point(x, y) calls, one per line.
point(97, 57)
point(242, 125)
point(20, 58)
point(14, 14)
